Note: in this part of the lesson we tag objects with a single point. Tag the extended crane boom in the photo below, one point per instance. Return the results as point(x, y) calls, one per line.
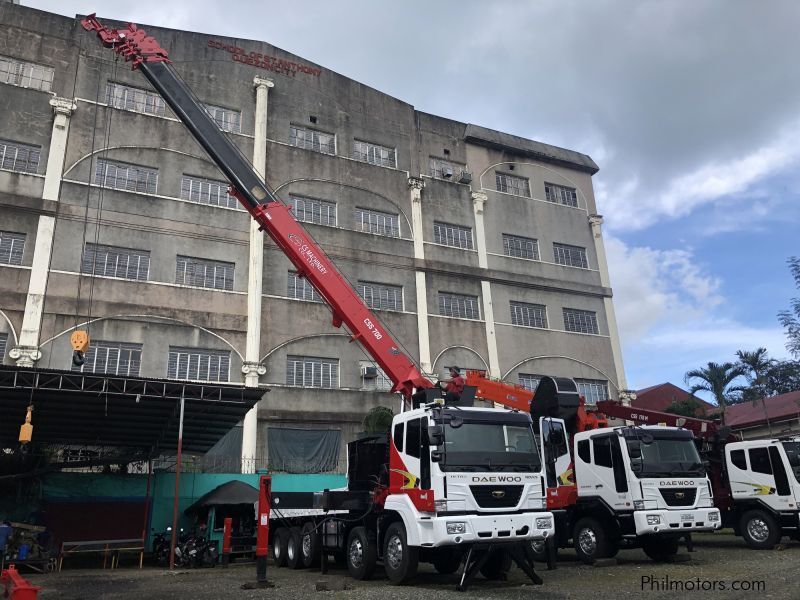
point(273, 216)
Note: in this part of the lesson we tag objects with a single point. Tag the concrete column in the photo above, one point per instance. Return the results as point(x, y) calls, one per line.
point(415, 186)
point(478, 204)
point(251, 367)
point(596, 222)
point(27, 351)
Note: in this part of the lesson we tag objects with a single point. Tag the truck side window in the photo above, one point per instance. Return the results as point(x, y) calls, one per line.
point(759, 461)
point(413, 438)
point(620, 480)
point(739, 460)
point(781, 478)
point(398, 436)
point(425, 456)
point(602, 451)
point(584, 451)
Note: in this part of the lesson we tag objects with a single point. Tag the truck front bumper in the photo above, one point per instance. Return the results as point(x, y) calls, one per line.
point(497, 528)
point(676, 521)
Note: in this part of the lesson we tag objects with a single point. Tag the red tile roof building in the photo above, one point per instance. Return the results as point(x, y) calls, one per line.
point(659, 397)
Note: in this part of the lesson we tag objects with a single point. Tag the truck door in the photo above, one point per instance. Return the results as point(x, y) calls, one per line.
point(769, 480)
point(416, 455)
point(555, 452)
point(606, 475)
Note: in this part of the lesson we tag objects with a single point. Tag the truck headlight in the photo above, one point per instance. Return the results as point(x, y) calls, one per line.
point(454, 527)
point(638, 505)
point(713, 517)
point(544, 523)
point(653, 520)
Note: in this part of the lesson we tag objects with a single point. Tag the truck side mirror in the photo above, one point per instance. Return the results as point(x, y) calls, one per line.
point(436, 455)
point(435, 435)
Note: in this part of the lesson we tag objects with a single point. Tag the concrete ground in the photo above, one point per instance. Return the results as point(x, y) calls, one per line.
point(720, 562)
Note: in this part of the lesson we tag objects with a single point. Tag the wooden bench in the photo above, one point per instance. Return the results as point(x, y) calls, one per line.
point(110, 549)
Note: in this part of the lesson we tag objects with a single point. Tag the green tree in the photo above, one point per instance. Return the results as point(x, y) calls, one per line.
point(378, 420)
point(690, 407)
point(790, 319)
point(783, 377)
point(756, 366)
point(717, 379)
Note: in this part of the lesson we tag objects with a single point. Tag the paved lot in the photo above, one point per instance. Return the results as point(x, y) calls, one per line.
point(718, 558)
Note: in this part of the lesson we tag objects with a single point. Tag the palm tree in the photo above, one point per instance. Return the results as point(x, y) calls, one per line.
point(716, 378)
point(756, 366)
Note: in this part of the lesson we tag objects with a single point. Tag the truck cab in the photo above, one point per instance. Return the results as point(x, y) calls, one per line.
point(764, 478)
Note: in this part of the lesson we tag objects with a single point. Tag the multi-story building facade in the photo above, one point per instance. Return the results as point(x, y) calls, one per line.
point(476, 248)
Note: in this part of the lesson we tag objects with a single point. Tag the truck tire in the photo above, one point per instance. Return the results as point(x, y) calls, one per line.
point(310, 544)
point(539, 548)
point(496, 567)
point(591, 540)
point(660, 548)
point(447, 560)
point(279, 547)
point(361, 553)
point(760, 530)
point(294, 549)
point(399, 559)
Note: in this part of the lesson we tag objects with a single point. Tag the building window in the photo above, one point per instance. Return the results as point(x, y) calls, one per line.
point(529, 315)
point(22, 158)
point(3, 341)
point(571, 256)
point(201, 272)
point(458, 305)
point(135, 99)
point(593, 390)
point(198, 364)
point(441, 168)
point(113, 261)
point(226, 119)
point(311, 139)
point(511, 184)
point(560, 194)
point(379, 383)
point(25, 74)
point(374, 221)
point(452, 235)
point(114, 358)
point(381, 296)
point(312, 210)
point(520, 247)
point(207, 191)
point(529, 382)
point(307, 371)
point(300, 288)
point(580, 321)
point(374, 154)
point(124, 176)
point(12, 246)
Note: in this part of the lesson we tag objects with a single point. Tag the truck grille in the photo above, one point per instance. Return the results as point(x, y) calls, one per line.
point(496, 496)
point(678, 496)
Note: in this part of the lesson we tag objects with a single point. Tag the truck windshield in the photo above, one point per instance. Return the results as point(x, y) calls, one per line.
point(793, 454)
point(489, 447)
point(667, 457)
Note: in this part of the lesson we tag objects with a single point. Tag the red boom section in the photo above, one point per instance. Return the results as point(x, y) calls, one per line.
point(701, 428)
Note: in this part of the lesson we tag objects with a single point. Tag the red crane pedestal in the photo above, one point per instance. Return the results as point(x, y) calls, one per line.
point(17, 588)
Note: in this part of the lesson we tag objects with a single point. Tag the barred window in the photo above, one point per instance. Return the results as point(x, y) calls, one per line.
point(381, 383)
point(511, 184)
point(452, 235)
point(226, 119)
point(571, 256)
point(124, 176)
point(520, 247)
point(207, 191)
point(22, 158)
point(307, 371)
point(3, 342)
point(136, 99)
point(25, 74)
point(441, 168)
point(198, 364)
point(580, 321)
point(114, 358)
point(300, 288)
point(593, 390)
point(381, 296)
point(529, 315)
point(458, 305)
point(374, 154)
point(312, 210)
point(201, 272)
point(311, 139)
point(560, 194)
point(12, 246)
point(529, 382)
point(374, 221)
point(113, 261)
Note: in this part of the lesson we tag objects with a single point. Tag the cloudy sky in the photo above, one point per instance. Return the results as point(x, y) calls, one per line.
point(691, 109)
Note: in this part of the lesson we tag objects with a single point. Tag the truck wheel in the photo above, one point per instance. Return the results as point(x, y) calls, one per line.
point(279, 547)
point(590, 540)
point(496, 567)
point(539, 548)
point(361, 553)
point(310, 545)
point(399, 559)
point(759, 530)
point(294, 549)
point(660, 548)
point(447, 560)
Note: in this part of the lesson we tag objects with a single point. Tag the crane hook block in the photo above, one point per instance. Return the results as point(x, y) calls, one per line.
point(26, 430)
point(79, 340)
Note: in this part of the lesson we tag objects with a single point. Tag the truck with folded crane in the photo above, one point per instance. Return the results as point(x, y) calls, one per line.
point(446, 485)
